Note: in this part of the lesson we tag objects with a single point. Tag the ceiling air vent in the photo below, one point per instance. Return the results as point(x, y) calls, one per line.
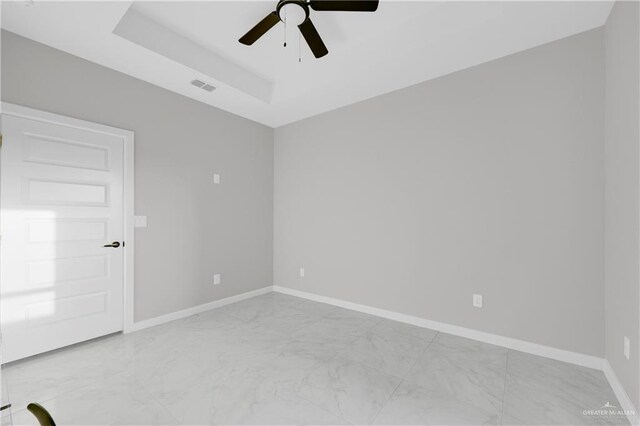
point(202, 85)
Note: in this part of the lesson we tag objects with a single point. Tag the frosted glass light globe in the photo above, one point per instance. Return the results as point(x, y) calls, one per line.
point(292, 14)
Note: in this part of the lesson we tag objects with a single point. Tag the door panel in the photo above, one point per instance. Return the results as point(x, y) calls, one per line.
point(61, 230)
point(48, 150)
point(50, 311)
point(62, 200)
point(68, 269)
point(49, 192)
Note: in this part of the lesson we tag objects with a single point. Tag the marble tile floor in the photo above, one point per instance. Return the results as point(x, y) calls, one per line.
point(277, 359)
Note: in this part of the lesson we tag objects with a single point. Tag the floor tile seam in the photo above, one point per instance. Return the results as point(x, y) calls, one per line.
point(360, 336)
point(373, 326)
point(326, 305)
point(11, 415)
point(190, 355)
point(533, 383)
point(532, 387)
point(317, 367)
point(569, 397)
point(5, 394)
point(217, 310)
point(453, 397)
point(157, 401)
point(231, 315)
point(342, 352)
point(504, 391)
point(328, 314)
point(221, 329)
point(404, 377)
point(274, 333)
point(404, 335)
point(305, 311)
point(257, 322)
point(226, 314)
point(369, 367)
point(304, 327)
point(24, 410)
point(66, 392)
point(313, 370)
point(45, 401)
point(325, 410)
point(349, 345)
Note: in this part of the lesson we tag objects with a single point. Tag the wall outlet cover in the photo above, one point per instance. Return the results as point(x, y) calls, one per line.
point(477, 300)
point(302, 272)
point(216, 279)
point(216, 178)
point(627, 347)
point(140, 221)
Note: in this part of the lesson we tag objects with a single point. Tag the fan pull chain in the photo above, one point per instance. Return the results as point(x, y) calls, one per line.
point(285, 27)
point(299, 48)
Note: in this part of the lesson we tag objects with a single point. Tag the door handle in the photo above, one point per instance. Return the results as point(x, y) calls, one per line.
point(114, 244)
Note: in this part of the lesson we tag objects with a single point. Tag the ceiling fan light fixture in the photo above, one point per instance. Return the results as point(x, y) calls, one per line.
point(296, 12)
point(293, 12)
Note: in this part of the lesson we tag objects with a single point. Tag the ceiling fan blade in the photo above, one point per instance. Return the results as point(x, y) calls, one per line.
point(260, 29)
point(313, 39)
point(345, 5)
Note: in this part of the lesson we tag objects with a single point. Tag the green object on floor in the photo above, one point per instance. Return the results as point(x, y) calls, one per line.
point(43, 416)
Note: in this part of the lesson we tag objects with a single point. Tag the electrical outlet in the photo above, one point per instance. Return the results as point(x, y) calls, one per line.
point(302, 272)
point(216, 178)
point(216, 279)
point(627, 347)
point(477, 300)
point(140, 221)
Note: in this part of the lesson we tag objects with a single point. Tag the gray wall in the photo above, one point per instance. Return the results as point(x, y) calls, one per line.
point(489, 180)
point(486, 181)
point(622, 188)
point(195, 228)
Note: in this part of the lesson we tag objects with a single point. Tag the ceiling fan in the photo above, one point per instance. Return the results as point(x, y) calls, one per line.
point(296, 12)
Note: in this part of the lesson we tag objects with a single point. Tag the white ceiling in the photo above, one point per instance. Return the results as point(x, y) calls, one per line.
point(403, 43)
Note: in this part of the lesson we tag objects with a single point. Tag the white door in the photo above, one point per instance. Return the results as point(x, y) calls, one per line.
point(61, 202)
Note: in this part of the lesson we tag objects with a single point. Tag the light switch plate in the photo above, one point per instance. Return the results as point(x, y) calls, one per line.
point(216, 178)
point(216, 279)
point(477, 300)
point(627, 347)
point(302, 272)
point(140, 221)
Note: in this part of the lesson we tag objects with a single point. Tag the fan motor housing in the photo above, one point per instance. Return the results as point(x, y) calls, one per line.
point(283, 5)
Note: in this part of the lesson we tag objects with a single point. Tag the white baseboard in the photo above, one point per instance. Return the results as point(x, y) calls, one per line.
point(196, 310)
point(623, 398)
point(494, 339)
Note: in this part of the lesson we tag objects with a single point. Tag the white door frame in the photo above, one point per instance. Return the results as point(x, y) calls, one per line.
point(127, 137)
